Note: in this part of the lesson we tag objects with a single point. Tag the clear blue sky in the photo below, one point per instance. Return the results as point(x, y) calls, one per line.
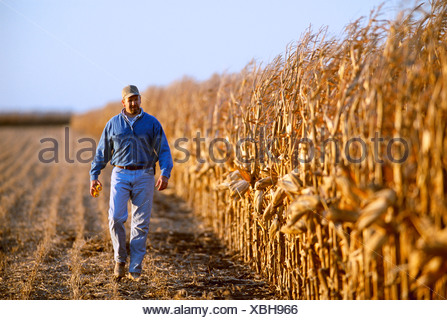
point(77, 55)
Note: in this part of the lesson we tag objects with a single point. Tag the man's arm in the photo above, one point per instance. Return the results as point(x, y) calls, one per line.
point(165, 161)
point(102, 157)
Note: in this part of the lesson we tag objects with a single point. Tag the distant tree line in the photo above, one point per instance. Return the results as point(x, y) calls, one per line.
point(34, 118)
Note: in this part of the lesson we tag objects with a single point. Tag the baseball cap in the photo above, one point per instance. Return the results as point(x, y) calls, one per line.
point(129, 91)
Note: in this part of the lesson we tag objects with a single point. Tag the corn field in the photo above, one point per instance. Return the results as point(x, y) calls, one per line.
point(325, 168)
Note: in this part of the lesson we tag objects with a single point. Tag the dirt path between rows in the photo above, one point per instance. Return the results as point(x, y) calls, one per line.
point(186, 260)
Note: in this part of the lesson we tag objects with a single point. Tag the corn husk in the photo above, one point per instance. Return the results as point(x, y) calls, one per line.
point(234, 175)
point(339, 215)
point(278, 197)
point(222, 186)
point(258, 201)
point(263, 183)
point(238, 188)
point(302, 205)
point(348, 191)
point(375, 242)
point(274, 228)
point(298, 228)
point(291, 183)
point(268, 212)
point(376, 207)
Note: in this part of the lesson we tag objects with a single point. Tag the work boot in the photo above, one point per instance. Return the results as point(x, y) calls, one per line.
point(135, 276)
point(120, 269)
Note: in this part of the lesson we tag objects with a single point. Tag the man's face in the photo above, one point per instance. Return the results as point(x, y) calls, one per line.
point(132, 105)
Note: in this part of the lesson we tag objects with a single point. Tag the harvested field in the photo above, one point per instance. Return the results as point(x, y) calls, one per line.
point(54, 240)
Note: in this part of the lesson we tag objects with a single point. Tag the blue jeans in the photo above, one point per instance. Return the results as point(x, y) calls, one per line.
point(138, 186)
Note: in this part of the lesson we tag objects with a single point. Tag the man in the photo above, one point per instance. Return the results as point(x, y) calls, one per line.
point(133, 141)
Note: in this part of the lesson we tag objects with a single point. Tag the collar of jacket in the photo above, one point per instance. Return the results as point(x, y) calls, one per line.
point(138, 116)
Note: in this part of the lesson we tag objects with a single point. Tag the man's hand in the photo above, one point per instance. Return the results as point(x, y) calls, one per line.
point(93, 185)
point(162, 183)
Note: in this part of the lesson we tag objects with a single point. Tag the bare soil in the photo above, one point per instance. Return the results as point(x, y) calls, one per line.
point(55, 244)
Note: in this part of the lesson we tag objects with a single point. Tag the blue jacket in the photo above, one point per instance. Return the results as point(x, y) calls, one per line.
point(141, 144)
